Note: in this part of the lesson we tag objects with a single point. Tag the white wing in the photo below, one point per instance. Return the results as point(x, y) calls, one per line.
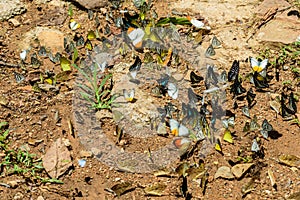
point(172, 90)
point(183, 131)
point(254, 62)
point(255, 147)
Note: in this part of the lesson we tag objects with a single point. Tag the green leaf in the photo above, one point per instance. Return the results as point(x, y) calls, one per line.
point(70, 10)
point(75, 55)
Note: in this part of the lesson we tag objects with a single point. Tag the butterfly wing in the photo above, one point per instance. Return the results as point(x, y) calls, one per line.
point(254, 64)
point(255, 147)
point(195, 78)
point(234, 70)
point(174, 126)
point(19, 77)
point(215, 42)
point(129, 96)
point(183, 131)
point(210, 51)
point(172, 90)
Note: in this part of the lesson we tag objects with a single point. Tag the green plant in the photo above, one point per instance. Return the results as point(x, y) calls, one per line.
point(97, 94)
point(19, 161)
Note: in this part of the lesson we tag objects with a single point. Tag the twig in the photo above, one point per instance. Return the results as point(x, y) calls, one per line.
point(8, 64)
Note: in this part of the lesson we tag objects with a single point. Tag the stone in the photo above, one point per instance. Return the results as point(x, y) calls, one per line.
point(14, 22)
point(40, 198)
point(92, 4)
point(86, 154)
point(285, 29)
point(50, 38)
point(10, 8)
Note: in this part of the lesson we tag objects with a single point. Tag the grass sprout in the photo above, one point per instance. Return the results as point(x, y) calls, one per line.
point(97, 94)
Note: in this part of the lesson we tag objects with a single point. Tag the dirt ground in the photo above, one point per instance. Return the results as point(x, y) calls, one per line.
point(34, 125)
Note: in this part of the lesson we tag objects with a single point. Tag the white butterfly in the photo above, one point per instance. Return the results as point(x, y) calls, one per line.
point(228, 122)
point(255, 147)
point(129, 96)
point(102, 66)
point(74, 25)
point(259, 67)
point(197, 23)
point(172, 90)
point(178, 129)
point(136, 36)
point(23, 55)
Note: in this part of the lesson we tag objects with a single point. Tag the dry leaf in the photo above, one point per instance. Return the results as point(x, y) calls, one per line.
point(240, 169)
point(57, 159)
point(224, 172)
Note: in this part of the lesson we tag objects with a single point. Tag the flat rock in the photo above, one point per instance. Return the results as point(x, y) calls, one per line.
point(285, 29)
point(10, 8)
point(50, 38)
point(92, 4)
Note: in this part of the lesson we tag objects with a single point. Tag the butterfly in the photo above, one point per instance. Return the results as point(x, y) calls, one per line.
point(195, 78)
point(250, 98)
point(237, 88)
point(73, 25)
point(211, 77)
point(266, 128)
point(161, 129)
point(218, 146)
point(42, 51)
point(255, 147)
point(88, 45)
point(135, 67)
point(178, 129)
point(292, 104)
point(34, 60)
point(223, 77)
point(210, 51)
point(172, 90)
point(253, 124)
point(23, 55)
point(79, 40)
point(102, 66)
point(129, 96)
point(136, 36)
point(215, 42)
point(234, 71)
point(259, 67)
point(56, 58)
point(19, 77)
point(195, 22)
point(193, 98)
point(260, 81)
point(228, 122)
point(245, 111)
point(180, 142)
